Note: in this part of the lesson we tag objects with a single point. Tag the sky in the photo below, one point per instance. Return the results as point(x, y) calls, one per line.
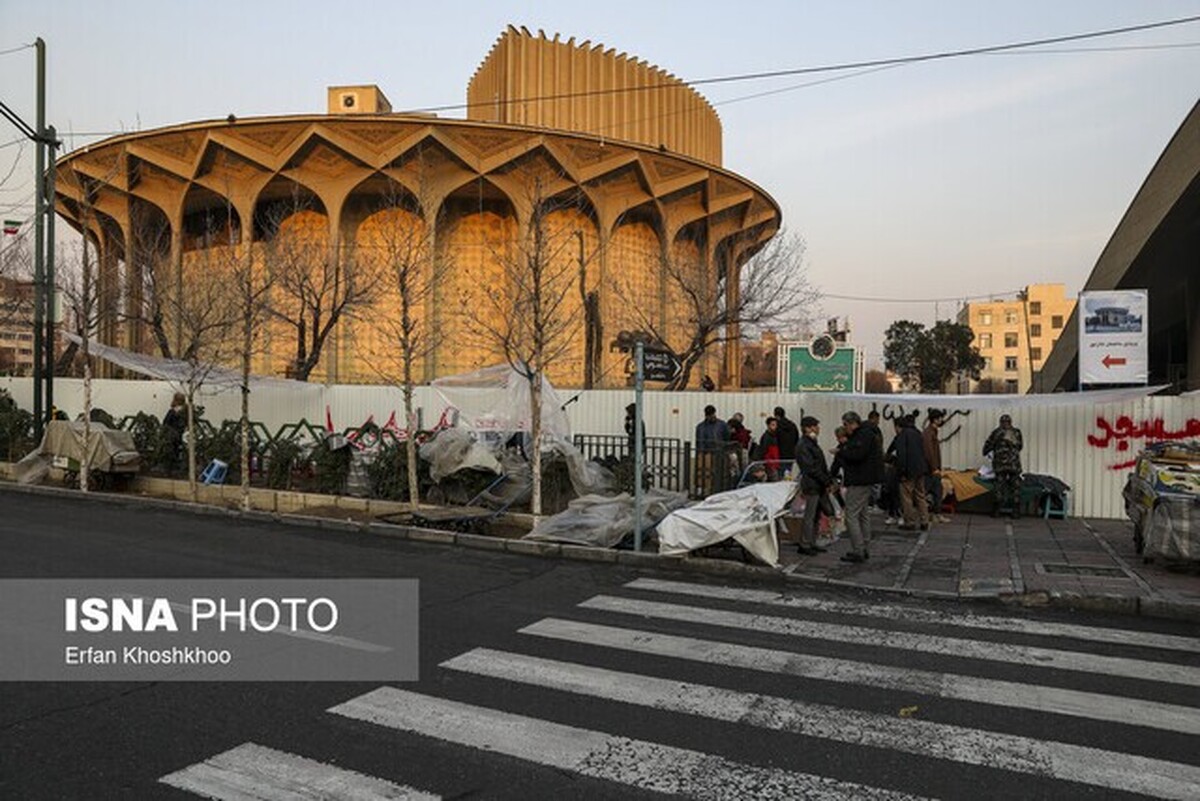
point(935, 181)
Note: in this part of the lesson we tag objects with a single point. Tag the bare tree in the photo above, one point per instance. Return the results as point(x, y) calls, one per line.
point(410, 272)
point(91, 302)
point(250, 289)
point(205, 318)
point(773, 291)
point(317, 282)
point(531, 321)
point(153, 291)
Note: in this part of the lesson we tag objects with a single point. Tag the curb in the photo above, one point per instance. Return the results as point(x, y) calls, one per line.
point(1116, 604)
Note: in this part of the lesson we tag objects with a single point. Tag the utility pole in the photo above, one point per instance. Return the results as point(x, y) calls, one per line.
point(43, 139)
point(639, 384)
point(39, 232)
point(51, 213)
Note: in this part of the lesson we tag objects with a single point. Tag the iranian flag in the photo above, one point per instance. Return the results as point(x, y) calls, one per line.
point(11, 227)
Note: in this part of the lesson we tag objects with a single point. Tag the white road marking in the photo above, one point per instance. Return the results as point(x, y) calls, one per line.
point(1060, 761)
point(253, 772)
point(1146, 639)
point(1097, 706)
point(925, 643)
point(633, 763)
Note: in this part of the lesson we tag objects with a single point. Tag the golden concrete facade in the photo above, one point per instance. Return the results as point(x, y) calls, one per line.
point(1016, 336)
point(362, 175)
point(533, 80)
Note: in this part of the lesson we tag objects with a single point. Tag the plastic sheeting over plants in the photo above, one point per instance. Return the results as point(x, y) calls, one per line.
point(493, 418)
point(494, 402)
point(604, 521)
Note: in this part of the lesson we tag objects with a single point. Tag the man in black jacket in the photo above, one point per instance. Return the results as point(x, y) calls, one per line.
point(912, 469)
point(862, 468)
point(815, 481)
point(789, 437)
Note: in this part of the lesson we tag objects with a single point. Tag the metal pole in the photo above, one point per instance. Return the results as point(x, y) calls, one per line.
point(51, 320)
point(39, 230)
point(638, 386)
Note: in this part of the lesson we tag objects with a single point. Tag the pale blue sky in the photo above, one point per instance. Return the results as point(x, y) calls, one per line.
point(942, 179)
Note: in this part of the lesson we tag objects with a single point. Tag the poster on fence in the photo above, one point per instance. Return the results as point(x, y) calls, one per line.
point(1113, 337)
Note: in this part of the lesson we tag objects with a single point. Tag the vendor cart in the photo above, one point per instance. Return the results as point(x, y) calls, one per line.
point(111, 455)
point(1162, 498)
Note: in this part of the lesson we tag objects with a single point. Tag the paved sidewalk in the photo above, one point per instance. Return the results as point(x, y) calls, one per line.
point(977, 556)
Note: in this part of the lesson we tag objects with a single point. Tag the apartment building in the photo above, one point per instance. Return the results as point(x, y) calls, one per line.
point(1015, 337)
point(16, 327)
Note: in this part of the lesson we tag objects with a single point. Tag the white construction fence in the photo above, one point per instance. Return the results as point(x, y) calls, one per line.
point(1088, 444)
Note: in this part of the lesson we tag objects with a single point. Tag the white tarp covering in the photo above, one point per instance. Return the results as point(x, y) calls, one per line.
point(181, 373)
point(107, 450)
point(863, 401)
point(496, 399)
point(747, 515)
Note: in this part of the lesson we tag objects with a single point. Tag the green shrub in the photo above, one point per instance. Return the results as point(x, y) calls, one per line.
point(282, 457)
point(16, 429)
point(224, 443)
point(332, 467)
point(389, 473)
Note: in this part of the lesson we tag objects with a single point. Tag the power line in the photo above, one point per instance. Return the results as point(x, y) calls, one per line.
point(782, 90)
point(882, 62)
point(16, 49)
point(860, 299)
point(1110, 49)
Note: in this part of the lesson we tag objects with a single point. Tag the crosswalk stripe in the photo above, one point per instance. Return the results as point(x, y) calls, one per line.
point(925, 643)
point(1096, 706)
point(1061, 761)
point(252, 772)
point(630, 762)
point(1146, 639)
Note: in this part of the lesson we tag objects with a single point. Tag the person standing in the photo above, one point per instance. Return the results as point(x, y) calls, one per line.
point(933, 459)
point(815, 482)
point(877, 490)
point(912, 470)
point(712, 438)
point(631, 430)
point(740, 435)
point(862, 467)
point(174, 424)
point(769, 450)
point(789, 435)
point(1004, 445)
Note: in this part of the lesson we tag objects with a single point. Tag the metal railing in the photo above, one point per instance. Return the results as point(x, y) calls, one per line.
point(668, 460)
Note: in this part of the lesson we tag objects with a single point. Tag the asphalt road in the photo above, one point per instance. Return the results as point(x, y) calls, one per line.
point(622, 683)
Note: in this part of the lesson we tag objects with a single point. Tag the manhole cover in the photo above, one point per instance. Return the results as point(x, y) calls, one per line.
point(1084, 570)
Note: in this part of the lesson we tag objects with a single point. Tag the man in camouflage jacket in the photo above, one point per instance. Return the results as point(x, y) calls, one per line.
point(1004, 445)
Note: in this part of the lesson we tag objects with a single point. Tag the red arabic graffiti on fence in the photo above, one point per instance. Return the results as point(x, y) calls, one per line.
point(1125, 431)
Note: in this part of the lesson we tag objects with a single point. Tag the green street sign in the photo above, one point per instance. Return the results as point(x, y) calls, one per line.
point(808, 373)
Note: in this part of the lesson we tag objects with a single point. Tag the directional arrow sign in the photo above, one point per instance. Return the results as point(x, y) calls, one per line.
point(660, 365)
point(1112, 361)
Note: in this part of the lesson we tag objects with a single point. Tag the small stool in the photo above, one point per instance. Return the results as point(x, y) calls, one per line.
point(214, 473)
point(1063, 510)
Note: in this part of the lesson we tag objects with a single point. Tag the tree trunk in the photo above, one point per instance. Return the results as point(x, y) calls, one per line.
point(535, 435)
point(84, 473)
point(247, 342)
point(410, 443)
point(191, 445)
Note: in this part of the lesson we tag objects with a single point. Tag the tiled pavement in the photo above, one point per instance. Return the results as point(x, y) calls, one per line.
point(981, 556)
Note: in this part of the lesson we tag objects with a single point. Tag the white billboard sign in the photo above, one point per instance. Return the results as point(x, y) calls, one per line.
point(1114, 336)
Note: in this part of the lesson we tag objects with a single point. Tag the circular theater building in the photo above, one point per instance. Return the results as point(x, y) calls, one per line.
point(635, 151)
